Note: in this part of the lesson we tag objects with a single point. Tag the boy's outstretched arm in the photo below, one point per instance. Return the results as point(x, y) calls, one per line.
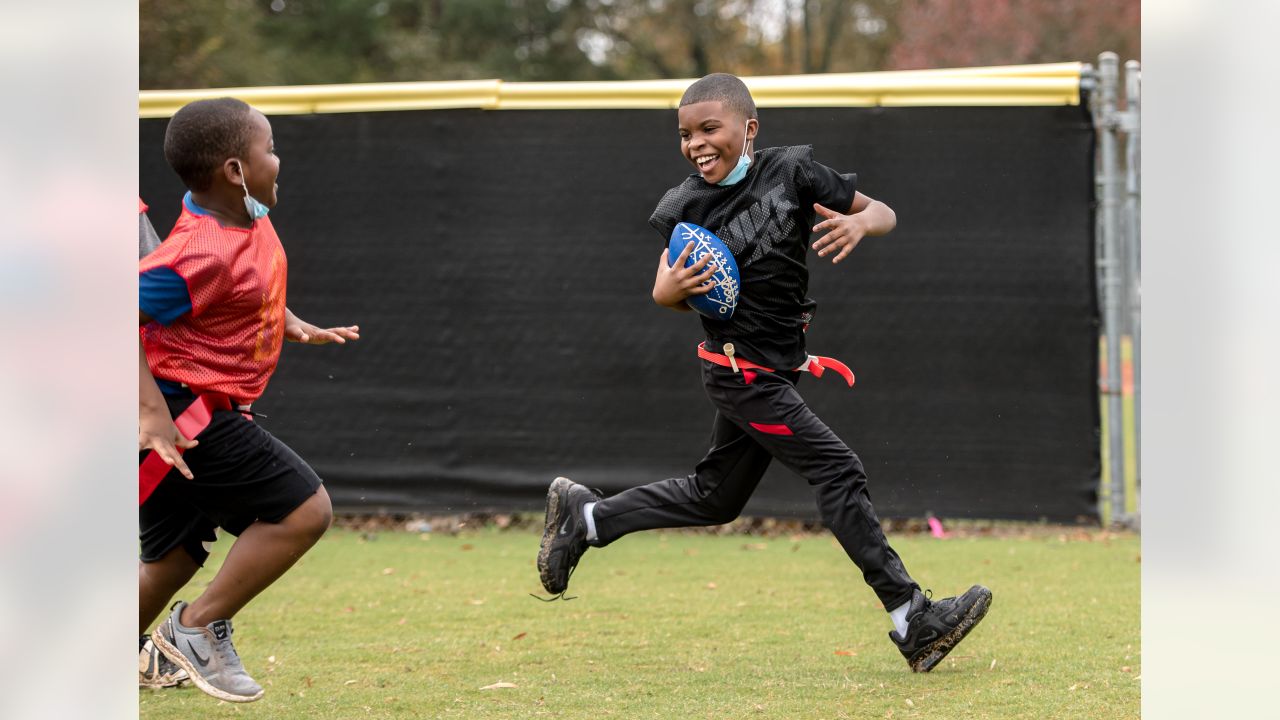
point(846, 230)
point(156, 430)
point(675, 283)
point(298, 330)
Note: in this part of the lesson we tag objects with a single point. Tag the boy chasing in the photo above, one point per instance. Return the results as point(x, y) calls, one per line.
point(212, 319)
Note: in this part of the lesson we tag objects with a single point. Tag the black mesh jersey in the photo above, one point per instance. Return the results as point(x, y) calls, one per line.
point(766, 220)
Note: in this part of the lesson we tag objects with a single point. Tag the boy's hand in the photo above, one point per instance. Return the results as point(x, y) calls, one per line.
point(298, 330)
point(157, 432)
point(844, 233)
point(674, 283)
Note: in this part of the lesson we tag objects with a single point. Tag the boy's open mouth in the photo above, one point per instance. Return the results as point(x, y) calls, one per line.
point(705, 162)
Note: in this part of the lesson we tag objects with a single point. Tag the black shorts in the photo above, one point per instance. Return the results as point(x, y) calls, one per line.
point(243, 474)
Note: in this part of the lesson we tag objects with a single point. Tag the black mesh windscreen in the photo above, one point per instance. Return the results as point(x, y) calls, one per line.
point(499, 265)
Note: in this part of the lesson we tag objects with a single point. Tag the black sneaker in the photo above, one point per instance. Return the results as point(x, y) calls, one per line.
point(934, 628)
point(564, 538)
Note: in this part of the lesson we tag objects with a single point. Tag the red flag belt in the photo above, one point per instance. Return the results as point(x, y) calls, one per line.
point(814, 364)
point(190, 423)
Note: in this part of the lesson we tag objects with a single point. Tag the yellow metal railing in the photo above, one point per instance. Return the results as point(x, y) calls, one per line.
point(1051, 84)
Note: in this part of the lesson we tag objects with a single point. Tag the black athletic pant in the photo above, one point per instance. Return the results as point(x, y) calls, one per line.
point(756, 422)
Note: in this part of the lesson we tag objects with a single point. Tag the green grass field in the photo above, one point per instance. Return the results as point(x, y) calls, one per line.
point(676, 625)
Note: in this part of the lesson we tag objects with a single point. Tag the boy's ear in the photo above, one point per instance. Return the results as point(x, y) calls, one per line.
point(753, 128)
point(231, 171)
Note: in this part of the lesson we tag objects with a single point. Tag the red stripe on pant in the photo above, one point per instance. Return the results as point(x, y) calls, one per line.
point(772, 429)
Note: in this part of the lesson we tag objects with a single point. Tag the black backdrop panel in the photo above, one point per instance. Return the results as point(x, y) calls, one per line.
point(499, 265)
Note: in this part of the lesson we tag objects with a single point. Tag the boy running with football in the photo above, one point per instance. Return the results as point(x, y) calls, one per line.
point(764, 205)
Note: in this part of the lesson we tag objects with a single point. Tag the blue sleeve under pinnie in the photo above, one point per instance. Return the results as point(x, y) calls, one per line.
point(163, 295)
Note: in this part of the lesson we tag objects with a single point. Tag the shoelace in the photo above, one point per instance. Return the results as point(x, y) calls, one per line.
point(561, 596)
point(928, 601)
point(226, 652)
point(554, 598)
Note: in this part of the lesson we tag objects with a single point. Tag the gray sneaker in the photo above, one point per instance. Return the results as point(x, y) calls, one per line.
point(156, 671)
point(207, 655)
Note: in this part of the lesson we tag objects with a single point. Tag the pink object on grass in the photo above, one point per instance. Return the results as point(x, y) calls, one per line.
point(935, 527)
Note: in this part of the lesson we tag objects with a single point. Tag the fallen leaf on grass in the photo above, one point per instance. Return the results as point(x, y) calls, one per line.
point(755, 546)
point(909, 703)
point(846, 652)
point(993, 664)
point(350, 682)
point(388, 571)
point(521, 635)
point(500, 686)
point(468, 546)
point(475, 602)
point(1126, 668)
point(402, 621)
point(307, 680)
point(348, 609)
point(711, 586)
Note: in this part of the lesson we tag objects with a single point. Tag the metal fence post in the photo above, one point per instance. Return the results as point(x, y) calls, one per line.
point(1110, 264)
point(1132, 125)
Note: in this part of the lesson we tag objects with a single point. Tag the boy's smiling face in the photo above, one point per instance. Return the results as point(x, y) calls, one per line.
point(261, 166)
point(712, 137)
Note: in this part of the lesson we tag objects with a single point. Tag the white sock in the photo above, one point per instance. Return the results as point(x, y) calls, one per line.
point(588, 512)
point(899, 617)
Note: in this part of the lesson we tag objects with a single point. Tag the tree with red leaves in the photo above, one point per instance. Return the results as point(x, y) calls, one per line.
point(967, 33)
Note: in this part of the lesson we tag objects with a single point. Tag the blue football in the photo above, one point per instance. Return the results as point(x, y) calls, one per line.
point(723, 298)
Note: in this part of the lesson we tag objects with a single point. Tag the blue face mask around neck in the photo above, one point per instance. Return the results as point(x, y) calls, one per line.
point(744, 163)
point(255, 209)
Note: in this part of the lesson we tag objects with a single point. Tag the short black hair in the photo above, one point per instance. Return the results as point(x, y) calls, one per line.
point(725, 88)
point(202, 135)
